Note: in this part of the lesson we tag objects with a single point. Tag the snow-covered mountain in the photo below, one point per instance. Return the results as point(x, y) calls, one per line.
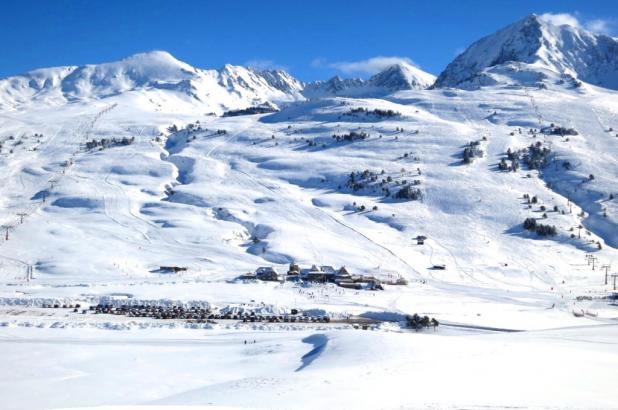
point(156, 74)
point(282, 81)
point(334, 86)
point(401, 76)
point(485, 208)
point(164, 80)
point(532, 50)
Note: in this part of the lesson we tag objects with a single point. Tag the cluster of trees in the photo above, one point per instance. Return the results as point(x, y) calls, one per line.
point(417, 322)
point(194, 127)
point(351, 136)
point(10, 138)
point(312, 143)
point(505, 166)
point(411, 156)
point(514, 157)
point(20, 141)
point(104, 143)
point(536, 156)
point(554, 129)
point(531, 200)
point(172, 129)
point(385, 184)
point(471, 151)
point(360, 180)
point(376, 112)
point(363, 208)
point(257, 109)
point(530, 224)
point(409, 193)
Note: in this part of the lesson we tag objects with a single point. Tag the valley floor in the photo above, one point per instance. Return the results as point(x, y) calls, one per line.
point(568, 368)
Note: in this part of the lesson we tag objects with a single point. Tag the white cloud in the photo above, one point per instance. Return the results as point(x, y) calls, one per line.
point(599, 26)
point(369, 66)
point(264, 64)
point(602, 26)
point(560, 19)
point(319, 63)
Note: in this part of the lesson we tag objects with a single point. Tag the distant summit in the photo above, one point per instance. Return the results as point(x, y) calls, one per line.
point(532, 50)
point(401, 76)
point(157, 73)
point(151, 74)
point(335, 86)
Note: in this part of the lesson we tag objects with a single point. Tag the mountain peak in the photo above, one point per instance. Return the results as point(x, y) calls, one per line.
point(153, 72)
point(153, 66)
point(402, 76)
point(538, 47)
point(281, 80)
point(160, 56)
point(399, 76)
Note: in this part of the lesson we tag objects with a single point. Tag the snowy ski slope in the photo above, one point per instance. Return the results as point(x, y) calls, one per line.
point(525, 319)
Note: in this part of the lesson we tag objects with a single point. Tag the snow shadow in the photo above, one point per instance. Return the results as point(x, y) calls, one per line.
point(77, 202)
point(319, 342)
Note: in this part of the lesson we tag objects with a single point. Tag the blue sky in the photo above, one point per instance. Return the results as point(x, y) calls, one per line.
point(312, 39)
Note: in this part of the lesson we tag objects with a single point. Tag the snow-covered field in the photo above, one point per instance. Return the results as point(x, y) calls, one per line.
point(526, 322)
point(568, 368)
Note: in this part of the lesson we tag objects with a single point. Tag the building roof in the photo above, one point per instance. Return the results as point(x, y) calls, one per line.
point(343, 271)
point(265, 269)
